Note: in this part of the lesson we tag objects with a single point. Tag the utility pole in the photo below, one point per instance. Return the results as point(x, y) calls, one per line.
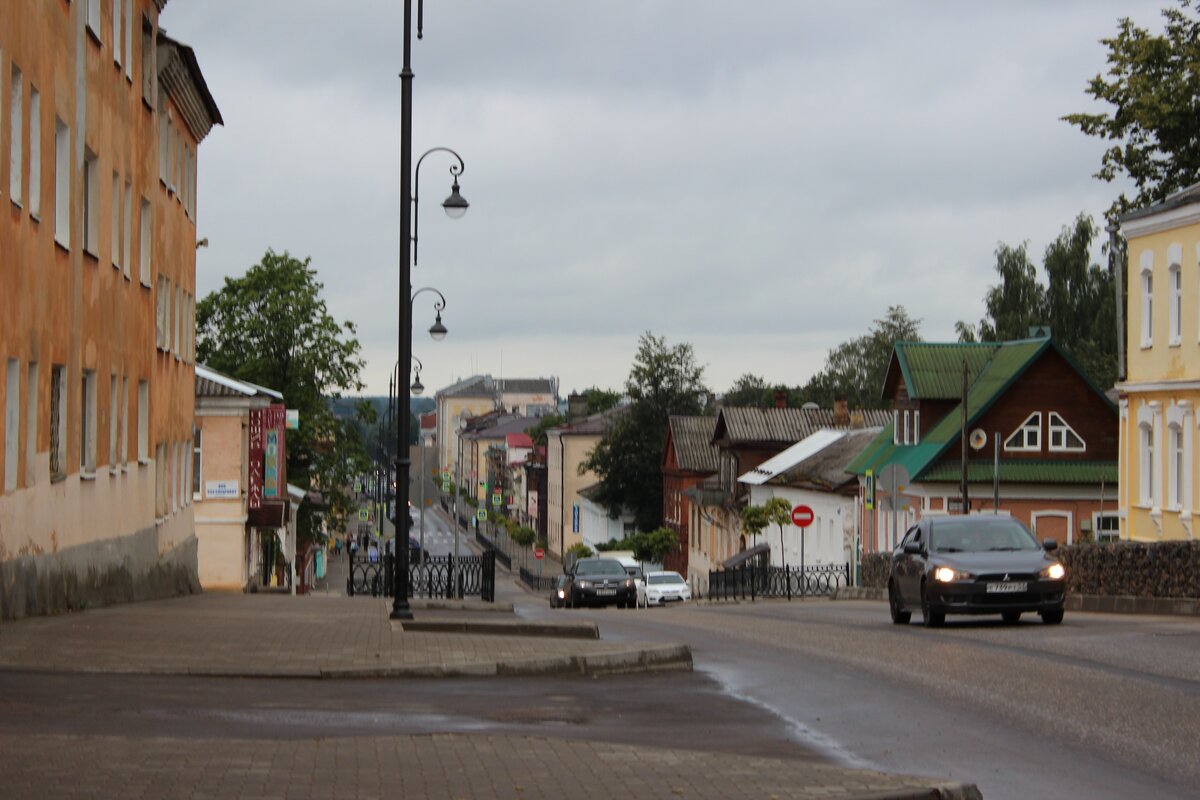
point(966, 501)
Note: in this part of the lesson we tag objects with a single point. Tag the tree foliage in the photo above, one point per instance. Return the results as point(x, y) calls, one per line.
point(752, 391)
point(271, 327)
point(1152, 87)
point(856, 369)
point(663, 380)
point(1076, 300)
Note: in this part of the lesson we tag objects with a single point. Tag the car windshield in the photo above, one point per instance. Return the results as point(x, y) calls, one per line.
point(599, 566)
point(974, 536)
point(670, 577)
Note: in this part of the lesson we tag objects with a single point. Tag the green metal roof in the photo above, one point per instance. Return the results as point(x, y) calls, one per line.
point(1012, 471)
point(933, 371)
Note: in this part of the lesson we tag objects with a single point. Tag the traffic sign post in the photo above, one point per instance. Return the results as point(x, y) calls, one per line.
point(802, 517)
point(539, 553)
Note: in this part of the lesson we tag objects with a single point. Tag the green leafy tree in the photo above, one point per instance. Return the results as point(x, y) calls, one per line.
point(538, 432)
point(655, 545)
point(748, 391)
point(271, 327)
point(600, 400)
point(856, 369)
point(1152, 88)
point(664, 380)
point(1017, 302)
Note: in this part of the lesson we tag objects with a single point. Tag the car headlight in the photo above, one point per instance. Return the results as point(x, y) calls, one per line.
point(562, 593)
point(1055, 572)
point(948, 575)
point(629, 584)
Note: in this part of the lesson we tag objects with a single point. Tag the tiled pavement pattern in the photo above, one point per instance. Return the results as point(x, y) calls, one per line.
point(452, 766)
point(278, 635)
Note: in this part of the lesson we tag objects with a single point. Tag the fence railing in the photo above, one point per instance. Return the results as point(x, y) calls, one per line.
point(435, 576)
point(752, 582)
point(539, 583)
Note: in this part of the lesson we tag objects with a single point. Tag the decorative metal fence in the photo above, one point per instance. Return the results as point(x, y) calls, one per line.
point(539, 583)
point(494, 546)
point(752, 582)
point(435, 576)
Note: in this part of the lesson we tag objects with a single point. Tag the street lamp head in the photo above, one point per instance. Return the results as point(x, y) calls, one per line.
point(437, 330)
point(456, 205)
point(417, 387)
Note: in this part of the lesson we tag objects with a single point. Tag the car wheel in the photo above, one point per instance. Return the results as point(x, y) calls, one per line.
point(899, 615)
point(1011, 617)
point(931, 619)
point(1052, 617)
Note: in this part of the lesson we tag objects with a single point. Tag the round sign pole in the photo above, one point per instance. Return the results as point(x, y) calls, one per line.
point(802, 517)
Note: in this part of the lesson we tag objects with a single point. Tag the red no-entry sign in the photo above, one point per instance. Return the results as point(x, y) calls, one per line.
point(802, 516)
point(539, 553)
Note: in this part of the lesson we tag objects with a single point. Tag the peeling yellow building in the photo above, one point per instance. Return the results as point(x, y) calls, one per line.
point(101, 116)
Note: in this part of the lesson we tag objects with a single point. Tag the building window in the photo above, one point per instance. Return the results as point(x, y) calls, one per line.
point(895, 427)
point(197, 461)
point(178, 326)
point(160, 312)
point(35, 153)
point(1175, 305)
point(91, 203)
point(164, 141)
point(114, 405)
point(916, 435)
point(143, 430)
point(1108, 527)
point(31, 426)
point(1027, 437)
point(93, 19)
point(12, 424)
point(128, 39)
point(124, 421)
point(116, 32)
point(1063, 437)
point(907, 428)
point(62, 183)
point(16, 95)
point(1147, 326)
point(114, 242)
point(1146, 463)
point(160, 481)
point(144, 242)
point(149, 70)
point(58, 422)
point(1175, 466)
point(87, 423)
point(127, 240)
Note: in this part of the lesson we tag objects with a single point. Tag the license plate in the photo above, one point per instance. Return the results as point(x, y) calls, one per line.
point(606, 592)
point(1005, 588)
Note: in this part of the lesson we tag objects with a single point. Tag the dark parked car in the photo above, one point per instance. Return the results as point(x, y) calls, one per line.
point(600, 581)
point(974, 565)
point(558, 594)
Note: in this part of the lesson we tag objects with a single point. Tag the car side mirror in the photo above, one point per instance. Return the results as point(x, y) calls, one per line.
point(912, 549)
point(1049, 545)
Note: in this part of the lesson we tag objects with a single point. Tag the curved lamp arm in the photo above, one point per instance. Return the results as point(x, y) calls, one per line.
point(438, 331)
point(455, 204)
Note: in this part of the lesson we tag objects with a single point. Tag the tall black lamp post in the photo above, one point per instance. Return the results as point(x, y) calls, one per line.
point(455, 206)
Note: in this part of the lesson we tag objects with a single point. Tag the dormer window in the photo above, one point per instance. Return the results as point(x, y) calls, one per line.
point(1028, 437)
point(1063, 438)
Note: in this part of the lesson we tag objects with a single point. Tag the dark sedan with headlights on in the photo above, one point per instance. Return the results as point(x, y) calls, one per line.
point(975, 564)
point(600, 581)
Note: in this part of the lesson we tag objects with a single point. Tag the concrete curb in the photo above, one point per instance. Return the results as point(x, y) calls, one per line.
point(458, 605)
point(562, 630)
point(858, 593)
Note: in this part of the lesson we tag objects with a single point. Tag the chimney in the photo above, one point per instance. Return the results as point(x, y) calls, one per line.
point(841, 412)
point(576, 407)
point(780, 398)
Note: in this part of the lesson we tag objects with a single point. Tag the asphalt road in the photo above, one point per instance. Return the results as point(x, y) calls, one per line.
point(1102, 706)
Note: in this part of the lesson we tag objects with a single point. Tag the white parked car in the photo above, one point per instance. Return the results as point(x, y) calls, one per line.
point(634, 570)
point(666, 587)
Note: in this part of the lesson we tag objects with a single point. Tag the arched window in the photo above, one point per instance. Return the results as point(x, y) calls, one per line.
point(1175, 466)
point(1146, 461)
point(1147, 304)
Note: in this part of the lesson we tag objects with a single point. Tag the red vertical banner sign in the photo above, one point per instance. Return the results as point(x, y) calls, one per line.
point(257, 437)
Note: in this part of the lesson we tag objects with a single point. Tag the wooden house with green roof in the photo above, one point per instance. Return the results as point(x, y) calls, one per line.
point(1030, 409)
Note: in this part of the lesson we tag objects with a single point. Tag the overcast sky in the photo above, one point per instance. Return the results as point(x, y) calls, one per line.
point(760, 179)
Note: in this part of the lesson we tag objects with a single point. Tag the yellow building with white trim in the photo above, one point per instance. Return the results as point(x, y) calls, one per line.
point(1160, 394)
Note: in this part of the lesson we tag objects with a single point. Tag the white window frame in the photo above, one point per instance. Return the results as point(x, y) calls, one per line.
point(35, 153)
point(116, 32)
point(1147, 299)
point(143, 421)
point(62, 183)
point(87, 424)
point(93, 19)
point(1149, 469)
point(91, 203)
point(145, 220)
point(916, 437)
point(128, 39)
point(1026, 430)
point(127, 241)
point(31, 423)
point(114, 407)
point(1061, 428)
point(1175, 469)
point(1179, 454)
point(115, 210)
point(197, 461)
point(1103, 535)
point(895, 426)
point(177, 327)
point(12, 423)
point(16, 91)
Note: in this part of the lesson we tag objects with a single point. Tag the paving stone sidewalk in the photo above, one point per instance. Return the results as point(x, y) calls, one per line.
point(305, 637)
point(453, 766)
